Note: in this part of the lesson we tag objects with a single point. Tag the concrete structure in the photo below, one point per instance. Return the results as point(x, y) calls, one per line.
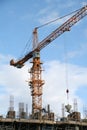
point(29, 124)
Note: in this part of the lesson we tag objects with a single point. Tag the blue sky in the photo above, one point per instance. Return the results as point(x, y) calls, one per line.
point(18, 19)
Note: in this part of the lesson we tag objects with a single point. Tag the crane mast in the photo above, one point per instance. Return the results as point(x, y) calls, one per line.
point(36, 81)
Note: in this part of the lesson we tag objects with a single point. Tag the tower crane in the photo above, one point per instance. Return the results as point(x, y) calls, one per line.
point(36, 81)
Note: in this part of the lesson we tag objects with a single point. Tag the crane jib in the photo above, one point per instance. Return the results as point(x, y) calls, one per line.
point(56, 33)
point(65, 27)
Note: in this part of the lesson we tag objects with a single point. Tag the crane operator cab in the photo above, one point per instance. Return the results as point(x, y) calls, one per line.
point(36, 54)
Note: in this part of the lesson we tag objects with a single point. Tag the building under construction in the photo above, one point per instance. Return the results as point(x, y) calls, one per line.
point(41, 118)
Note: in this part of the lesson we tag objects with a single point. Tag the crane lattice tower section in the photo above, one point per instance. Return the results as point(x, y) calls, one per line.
point(36, 83)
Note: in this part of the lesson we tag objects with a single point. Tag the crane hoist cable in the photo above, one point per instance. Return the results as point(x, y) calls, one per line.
point(66, 70)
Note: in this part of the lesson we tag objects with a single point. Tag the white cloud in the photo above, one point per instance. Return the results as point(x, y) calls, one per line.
point(51, 15)
point(55, 87)
point(61, 4)
point(84, 3)
point(53, 19)
point(13, 82)
point(78, 52)
point(47, 14)
point(46, 18)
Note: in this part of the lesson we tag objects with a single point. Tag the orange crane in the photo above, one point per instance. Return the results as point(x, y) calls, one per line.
point(36, 81)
